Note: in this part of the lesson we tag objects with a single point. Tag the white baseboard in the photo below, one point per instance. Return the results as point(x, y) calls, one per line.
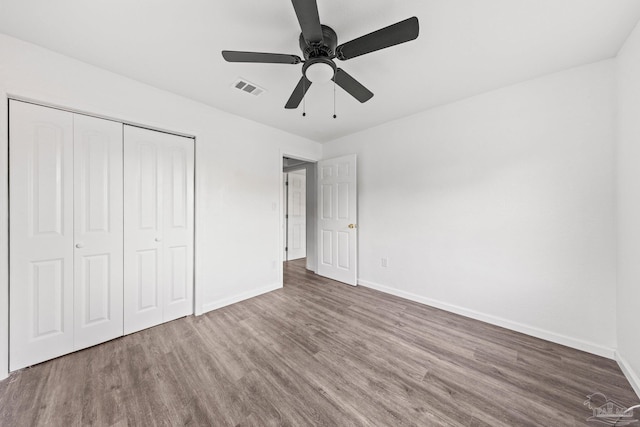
point(628, 372)
point(578, 344)
point(240, 297)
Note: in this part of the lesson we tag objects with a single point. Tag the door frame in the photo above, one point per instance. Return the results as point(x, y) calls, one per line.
point(6, 96)
point(281, 214)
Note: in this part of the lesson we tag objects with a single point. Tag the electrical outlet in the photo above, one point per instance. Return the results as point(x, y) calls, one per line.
point(384, 262)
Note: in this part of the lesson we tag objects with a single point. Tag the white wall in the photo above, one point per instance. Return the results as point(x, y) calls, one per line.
point(238, 169)
point(499, 207)
point(628, 168)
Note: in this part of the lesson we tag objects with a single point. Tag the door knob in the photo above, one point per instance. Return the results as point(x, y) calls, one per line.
point(158, 239)
point(79, 245)
point(353, 226)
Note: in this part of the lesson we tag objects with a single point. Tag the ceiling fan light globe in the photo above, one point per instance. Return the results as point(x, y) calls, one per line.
point(319, 72)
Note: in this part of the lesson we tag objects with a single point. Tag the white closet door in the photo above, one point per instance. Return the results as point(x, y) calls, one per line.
point(41, 233)
point(177, 270)
point(98, 230)
point(158, 266)
point(142, 229)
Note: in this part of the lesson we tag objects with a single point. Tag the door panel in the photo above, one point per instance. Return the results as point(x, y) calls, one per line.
point(343, 200)
point(95, 290)
point(326, 171)
point(41, 233)
point(343, 253)
point(296, 242)
point(327, 248)
point(326, 201)
point(47, 288)
point(147, 286)
point(47, 208)
point(337, 202)
point(148, 182)
point(179, 190)
point(98, 230)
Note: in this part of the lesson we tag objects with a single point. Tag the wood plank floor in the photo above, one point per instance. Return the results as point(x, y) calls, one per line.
point(316, 353)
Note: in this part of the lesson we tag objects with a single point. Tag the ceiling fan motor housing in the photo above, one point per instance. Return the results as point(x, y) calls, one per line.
point(326, 48)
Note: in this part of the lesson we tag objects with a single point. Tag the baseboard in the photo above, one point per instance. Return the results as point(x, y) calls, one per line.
point(578, 344)
point(240, 297)
point(628, 372)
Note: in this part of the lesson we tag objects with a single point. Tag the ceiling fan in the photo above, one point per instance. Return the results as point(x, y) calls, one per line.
point(319, 45)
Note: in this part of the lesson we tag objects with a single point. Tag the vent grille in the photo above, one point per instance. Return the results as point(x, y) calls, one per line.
point(248, 87)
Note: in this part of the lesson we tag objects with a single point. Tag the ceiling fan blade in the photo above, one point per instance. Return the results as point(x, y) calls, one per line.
point(352, 86)
point(298, 93)
point(307, 13)
point(392, 35)
point(259, 57)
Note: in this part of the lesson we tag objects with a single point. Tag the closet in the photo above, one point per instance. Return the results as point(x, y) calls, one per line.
point(101, 230)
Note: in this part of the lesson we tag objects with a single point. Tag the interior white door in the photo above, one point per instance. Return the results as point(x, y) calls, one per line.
point(142, 229)
point(297, 218)
point(337, 219)
point(41, 233)
point(158, 236)
point(98, 232)
point(177, 242)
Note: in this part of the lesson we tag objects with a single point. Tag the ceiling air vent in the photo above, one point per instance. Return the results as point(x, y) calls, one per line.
point(248, 87)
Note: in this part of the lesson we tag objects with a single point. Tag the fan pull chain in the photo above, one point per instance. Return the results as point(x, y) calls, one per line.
point(334, 97)
point(304, 96)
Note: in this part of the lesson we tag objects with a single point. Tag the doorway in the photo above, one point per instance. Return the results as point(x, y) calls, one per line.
point(330, 217)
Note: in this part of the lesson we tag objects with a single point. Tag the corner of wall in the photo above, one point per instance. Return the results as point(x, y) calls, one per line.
point(214, 305)
point(627, 156)
point(628, 372)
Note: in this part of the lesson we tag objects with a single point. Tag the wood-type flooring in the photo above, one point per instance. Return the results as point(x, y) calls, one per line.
point(316, 353)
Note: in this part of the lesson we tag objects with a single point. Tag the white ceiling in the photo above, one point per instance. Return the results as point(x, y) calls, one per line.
point(465, 47)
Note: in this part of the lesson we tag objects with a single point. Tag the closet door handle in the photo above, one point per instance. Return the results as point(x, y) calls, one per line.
point(158, 239)
point(79, 245)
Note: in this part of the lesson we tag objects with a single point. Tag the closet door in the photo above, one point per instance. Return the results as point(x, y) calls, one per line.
point(142, 229)
point(158, 266)
point(177, 270)
point(41, 233)
point(98, 233)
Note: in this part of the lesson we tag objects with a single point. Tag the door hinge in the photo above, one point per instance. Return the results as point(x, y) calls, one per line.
point(286, 249)
point(286, 183)
point(286, 216)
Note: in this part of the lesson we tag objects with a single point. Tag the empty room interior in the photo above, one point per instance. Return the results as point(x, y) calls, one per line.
point(320, 212)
